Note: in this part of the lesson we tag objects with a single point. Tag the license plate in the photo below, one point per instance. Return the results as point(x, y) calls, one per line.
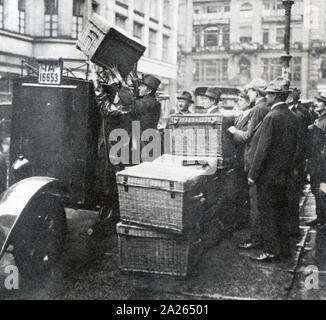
point(50, 72)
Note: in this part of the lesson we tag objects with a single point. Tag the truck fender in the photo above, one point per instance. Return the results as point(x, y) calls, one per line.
point(14, 203)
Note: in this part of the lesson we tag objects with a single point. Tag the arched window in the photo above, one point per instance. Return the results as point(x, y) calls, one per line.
point(246, 10)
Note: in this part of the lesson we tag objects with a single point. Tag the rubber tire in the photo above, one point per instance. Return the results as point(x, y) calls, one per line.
point(32, 239)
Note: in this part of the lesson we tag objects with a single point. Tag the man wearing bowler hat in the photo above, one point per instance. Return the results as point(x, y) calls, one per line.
point(271, 170)
point(211, 100)
point(317, 160)
point(184, 102)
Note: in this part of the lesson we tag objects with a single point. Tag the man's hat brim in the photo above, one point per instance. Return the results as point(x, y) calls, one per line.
point(276, 91)
point(185, 98)
point(323, 99)
point(213, 96)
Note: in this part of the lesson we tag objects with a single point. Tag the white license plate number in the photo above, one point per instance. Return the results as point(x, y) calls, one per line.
point(50, 73)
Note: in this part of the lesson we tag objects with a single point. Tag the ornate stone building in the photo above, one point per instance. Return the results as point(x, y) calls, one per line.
point(229, 42)
point(35, 28)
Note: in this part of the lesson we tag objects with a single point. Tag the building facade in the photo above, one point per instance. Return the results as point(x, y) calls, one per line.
point(50, 28)
point(229, 42)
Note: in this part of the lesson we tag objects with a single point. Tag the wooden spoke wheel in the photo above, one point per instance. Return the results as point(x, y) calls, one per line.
point(40, 236)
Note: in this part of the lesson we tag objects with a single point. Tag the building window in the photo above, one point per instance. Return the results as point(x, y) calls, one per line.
point(165, 51)
point(138, 30)
point(1, 14)
point(211, 8)
point(226, 36)
point(211, 37)
point(246, 10)
point(211, 70)
point(139, 5)
point(152, 43)
point(272, 68)
point(77, 19)
point(95, 6)
point(265, 36)
point(167, 12)
point(21, 17)
point(123, 3)
point(227, 7)
point(245, 34)
point(273, 8)
point(153, 8)
point(323, 68)
point(120, 21)
point(244, 67)
point(51, 18)
point(280, 33)
point(197, 38)
point(296, 69)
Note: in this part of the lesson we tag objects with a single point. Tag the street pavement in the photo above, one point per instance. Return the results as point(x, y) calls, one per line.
point(89, 270)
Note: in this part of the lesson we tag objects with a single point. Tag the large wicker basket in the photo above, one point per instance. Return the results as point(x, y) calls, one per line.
point(107, 45)
point(202, 135)
point(167, 197)
point(145, 250)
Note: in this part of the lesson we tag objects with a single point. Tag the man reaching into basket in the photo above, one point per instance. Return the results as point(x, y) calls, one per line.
point(124, 103)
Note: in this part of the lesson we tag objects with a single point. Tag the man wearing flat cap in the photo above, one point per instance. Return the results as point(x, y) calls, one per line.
point(211, 100)
point(271, 170)
point(317, 160)
point(248, 136)
point(184, 102)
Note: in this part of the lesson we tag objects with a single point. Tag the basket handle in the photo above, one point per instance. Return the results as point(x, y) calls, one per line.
point(195, 162)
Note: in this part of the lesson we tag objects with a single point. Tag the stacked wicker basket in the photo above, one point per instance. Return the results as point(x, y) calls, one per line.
point(171, 208)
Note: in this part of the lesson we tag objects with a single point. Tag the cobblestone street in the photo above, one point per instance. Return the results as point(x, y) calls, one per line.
point(89, 270)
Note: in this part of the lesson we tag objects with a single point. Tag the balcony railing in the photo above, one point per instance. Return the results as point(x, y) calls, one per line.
point(210, 49)
point(281, 18)
point(253, 46)
point(280, 46)
point(245, 46)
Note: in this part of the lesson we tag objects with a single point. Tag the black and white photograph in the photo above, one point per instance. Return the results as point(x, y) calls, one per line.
point(162, 154)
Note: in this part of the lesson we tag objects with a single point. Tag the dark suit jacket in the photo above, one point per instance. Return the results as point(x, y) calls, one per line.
point(241, 123)
point(302, 143)
point(273, 160)
point(257, 114)
point(317, 148)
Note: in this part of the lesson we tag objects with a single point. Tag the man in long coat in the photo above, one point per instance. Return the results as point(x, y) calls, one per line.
point(257, 114)
point(271, 170)
point(317, 160)
point(298, 178)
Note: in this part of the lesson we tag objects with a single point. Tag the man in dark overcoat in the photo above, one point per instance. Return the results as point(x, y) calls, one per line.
point(317, 160)
point(298, 178)
point(271, 170)
point(257, 114)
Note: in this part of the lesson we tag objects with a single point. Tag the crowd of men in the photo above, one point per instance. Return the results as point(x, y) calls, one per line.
point(279, 141)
